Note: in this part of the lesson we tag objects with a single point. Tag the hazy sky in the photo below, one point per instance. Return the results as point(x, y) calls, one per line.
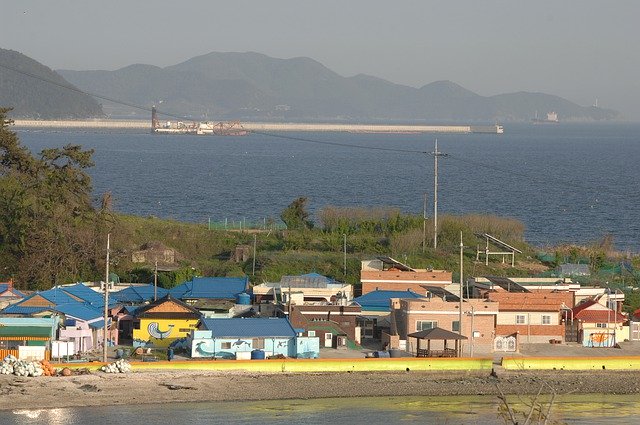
point(581, 50)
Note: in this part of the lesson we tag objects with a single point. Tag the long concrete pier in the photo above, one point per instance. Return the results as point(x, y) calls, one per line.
point(268, 127)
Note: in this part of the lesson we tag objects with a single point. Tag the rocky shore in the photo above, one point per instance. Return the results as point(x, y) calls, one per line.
point(100, 389)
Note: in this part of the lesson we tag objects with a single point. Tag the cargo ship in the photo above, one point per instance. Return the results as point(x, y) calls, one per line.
point(233, 128)
point(552, 118)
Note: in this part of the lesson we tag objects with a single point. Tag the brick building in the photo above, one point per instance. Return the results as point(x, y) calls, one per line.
point(412, 315)
point(335, 325)
point(532, 317)
point(385, 273)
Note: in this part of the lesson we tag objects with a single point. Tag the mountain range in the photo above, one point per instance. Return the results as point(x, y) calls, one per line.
point(253, 86)
point(35, 91)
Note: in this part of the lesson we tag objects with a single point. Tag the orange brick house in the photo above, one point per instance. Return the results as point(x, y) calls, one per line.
point(532, 317)
point(478, 321)
point(387, 274)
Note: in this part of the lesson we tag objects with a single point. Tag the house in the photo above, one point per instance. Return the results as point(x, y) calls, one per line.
point(80, 309)
point(246, 338)
point(376, 306)
point(138, 294)
point(9, 294)
point(216, 288)
point(83, 324)
point(336, 325)
point(27, 338)
point(40, 304)
point(310, 288)
point(529, 317)
point(162, 323)
point(598, 325)
point(385, 273)
point(480, 286)
point(413, 315)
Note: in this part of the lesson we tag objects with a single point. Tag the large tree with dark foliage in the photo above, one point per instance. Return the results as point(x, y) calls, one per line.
point(295, 216)
point(50, 233)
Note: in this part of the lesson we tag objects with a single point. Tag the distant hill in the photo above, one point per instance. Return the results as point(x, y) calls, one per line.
point(32, 98)
point(252, 86)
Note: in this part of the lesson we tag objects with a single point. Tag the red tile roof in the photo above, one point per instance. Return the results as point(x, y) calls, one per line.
point(599, 316)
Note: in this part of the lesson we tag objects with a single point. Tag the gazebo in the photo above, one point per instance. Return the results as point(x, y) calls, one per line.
point(440, 335)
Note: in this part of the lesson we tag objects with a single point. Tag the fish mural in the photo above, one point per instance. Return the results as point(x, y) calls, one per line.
point(154, 330)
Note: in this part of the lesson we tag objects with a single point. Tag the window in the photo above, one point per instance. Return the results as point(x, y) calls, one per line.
point(311, 333)
point(423, 325)
point(546, 320)
point(455, 326)
point(601, 325)
point(520, 319)
point(225, 345)
point(258, 343)
point(136, 324)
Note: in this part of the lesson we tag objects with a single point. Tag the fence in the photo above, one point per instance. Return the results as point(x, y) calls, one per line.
point(244, 224)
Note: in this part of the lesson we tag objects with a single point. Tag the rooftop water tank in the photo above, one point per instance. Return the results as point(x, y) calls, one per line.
point(244, 299)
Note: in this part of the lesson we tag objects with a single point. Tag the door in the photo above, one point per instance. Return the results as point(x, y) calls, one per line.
point(635, 331)
point(571, 331)
point(328, 339)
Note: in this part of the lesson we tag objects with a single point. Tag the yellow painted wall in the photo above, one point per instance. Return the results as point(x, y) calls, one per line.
point(320, 365)
point(180, 328)
point(572, 363)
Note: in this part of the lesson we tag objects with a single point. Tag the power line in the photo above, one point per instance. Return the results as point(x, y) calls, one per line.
point(321, 142)
point(142, 108)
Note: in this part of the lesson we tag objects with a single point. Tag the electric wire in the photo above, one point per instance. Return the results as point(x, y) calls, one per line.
point(510, 172)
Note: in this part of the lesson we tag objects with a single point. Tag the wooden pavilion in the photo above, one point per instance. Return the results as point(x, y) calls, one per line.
point(440, 335)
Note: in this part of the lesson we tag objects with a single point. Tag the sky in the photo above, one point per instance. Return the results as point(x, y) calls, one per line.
point(580, 50)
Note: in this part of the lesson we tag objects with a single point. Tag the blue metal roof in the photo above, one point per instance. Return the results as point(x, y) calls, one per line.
point(138, 294)
point(4, 287)
point(249, 328)
point(87, 294)
point(211, 287)
point(18, 309)
point(82, 311)
point(379, 300)
point(55, 296)
point(99, 324)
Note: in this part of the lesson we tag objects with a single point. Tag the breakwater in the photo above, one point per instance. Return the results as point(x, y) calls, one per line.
point(256, 126)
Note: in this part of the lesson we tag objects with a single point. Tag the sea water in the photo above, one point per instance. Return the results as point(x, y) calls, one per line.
point(480, 410)
point(569, 183)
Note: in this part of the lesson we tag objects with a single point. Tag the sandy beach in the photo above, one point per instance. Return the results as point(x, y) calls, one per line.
point(100, 389)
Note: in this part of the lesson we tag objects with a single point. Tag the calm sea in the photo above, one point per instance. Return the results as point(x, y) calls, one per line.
point(568, 182)
point(480, 410)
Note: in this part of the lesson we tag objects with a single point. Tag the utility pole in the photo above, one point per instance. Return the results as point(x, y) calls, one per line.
point(255, 241)
point(461, 268)
point(155, 282)
point(424, 224)
point(344, 260)
point(106, 305)
point(435, 154)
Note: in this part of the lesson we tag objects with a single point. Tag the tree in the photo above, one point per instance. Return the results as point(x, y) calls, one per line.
point(295, 216)
point(49, 230)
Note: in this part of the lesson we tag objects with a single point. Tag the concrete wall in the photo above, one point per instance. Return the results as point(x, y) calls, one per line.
point(572, 363)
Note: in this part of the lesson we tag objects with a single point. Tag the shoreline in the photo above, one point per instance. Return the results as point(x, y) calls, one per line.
point(153, 387)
